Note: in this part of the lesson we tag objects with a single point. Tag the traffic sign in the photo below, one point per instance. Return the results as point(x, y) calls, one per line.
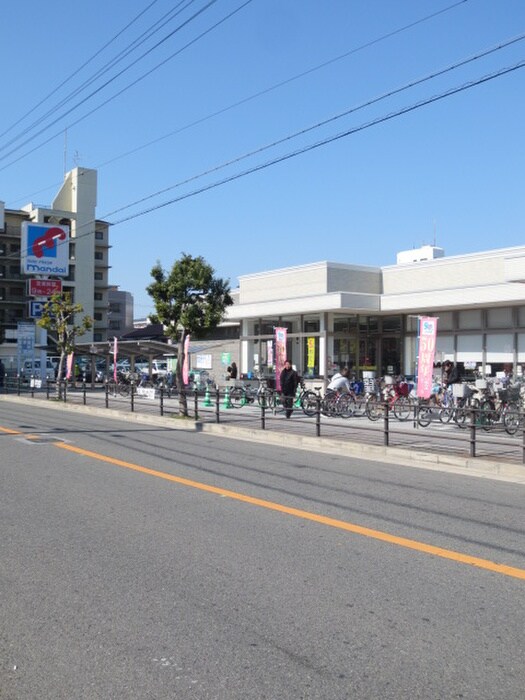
point(36, 309)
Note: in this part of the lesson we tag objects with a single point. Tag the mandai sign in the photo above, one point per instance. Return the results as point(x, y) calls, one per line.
point(44, 249)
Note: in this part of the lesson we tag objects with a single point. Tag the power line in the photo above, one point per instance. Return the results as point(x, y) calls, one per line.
point(287, 81)
point(127, 87)
point(326, 141)
point(77, 71)
point(292, 154)
point(110, 80)
point(265, 91)
point(333, 118)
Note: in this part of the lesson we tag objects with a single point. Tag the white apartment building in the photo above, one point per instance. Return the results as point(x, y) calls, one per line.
point(366, 317)
point(74, 206)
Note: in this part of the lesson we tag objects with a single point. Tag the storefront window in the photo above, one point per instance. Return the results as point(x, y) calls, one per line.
point(392, 324)
point(345, 353)
point(311, 325)
point(345, 324)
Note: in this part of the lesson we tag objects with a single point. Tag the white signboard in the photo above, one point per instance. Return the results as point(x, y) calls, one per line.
point(202, 362)
point(44, 249)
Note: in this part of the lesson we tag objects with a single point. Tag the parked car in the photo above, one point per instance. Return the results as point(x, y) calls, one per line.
point(32, 368)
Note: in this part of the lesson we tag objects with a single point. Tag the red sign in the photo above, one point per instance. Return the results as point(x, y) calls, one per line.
point(44, 288)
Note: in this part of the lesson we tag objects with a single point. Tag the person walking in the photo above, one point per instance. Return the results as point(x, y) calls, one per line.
point(289, 381)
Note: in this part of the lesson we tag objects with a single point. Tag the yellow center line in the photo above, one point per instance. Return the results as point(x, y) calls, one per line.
point(9, 431)
point(305, 515)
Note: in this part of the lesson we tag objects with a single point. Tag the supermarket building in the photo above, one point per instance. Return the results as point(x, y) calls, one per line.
point(366, 317)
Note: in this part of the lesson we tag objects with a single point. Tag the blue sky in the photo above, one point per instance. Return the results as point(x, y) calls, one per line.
point(449, 172)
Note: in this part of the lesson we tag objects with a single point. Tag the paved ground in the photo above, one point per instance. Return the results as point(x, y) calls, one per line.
point(438, 446)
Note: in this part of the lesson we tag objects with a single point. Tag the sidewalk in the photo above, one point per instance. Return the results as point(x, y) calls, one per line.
point(288, 437)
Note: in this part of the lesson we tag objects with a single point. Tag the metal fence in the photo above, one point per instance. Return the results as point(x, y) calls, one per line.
point(214, 406)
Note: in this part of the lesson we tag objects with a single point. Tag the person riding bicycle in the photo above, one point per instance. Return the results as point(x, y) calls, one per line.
point(340, 382)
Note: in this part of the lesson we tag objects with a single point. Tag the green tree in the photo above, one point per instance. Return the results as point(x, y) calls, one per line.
point(58, 318)
point(189, 301)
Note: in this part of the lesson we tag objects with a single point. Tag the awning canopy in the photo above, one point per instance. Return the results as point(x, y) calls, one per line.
point(131, 349)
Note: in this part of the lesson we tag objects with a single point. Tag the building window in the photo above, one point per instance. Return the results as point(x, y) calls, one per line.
point(98, 316)
point(97, 337)
point(99, 235)
point(99, 255)
point(499, 318)
point(469, 319)
point(115, 307)
point(98, 296)
point(99, 276)
point(392, 324)
point(114, 325)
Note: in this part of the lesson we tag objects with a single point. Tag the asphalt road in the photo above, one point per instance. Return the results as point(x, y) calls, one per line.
point(138, 562)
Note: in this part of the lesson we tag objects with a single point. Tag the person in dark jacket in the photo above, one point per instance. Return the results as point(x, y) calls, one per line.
point(232, 371)
point(289, 382)
point(450, 373)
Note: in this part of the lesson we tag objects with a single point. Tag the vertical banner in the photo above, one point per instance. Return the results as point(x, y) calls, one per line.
point(310, 363)
point(426, 351)
point(280, 355)
point(185, 365)
point(69, 365)
point(269, 353)
point(115, 352)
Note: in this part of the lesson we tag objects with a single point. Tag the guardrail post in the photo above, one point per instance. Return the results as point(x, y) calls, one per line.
point(106, 389)
point(18, 383)
point(263, 413)
point(32, 382)
point(65, 391)
point(161, 400)
point(84, 395)
point(318, 416)
point(132, 394)
point(472, 432)
point(47, 389)
point(217, 404)
point(386, 431)
point(196, 404)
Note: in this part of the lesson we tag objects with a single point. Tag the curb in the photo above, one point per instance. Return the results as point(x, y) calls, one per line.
point(189, 426)
point(466, 466)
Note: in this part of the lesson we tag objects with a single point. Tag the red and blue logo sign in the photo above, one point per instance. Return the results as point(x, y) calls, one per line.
point(45, 249)
point(43, 241)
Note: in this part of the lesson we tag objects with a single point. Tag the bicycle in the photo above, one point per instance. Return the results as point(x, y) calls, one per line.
point(395, 397)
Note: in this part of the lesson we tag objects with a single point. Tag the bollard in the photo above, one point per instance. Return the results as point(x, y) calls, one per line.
point(227, 400)
point(217, 404)
point(207, 399)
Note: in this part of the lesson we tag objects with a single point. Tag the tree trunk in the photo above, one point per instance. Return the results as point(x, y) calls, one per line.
point(183, 402)
point(60, 374)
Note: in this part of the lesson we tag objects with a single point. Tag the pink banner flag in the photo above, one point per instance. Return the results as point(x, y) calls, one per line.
point(426, 352)
point(69, 366)
point(280, 355)
point(185, 366)
point(115, 351)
